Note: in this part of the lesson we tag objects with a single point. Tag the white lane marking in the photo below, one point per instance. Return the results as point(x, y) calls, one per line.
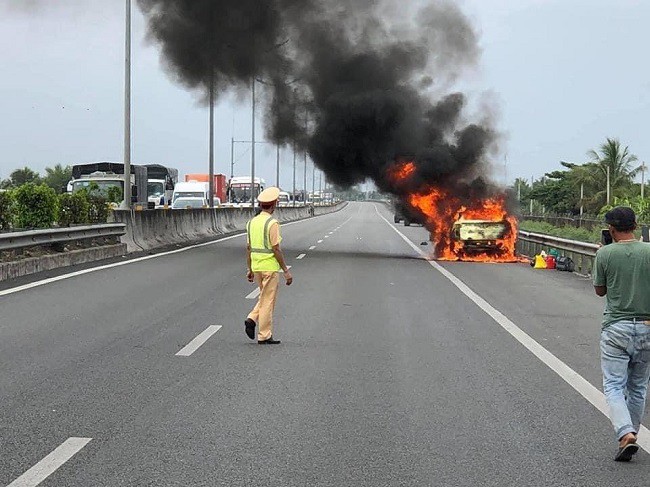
point(331, 233)
point(312, 247)
point(301, 256)
point(570, 376)
point(254, 294)
point(327, 236)
point(320, 241)
point(200, 339)
point(51, 463)
point(62, 277)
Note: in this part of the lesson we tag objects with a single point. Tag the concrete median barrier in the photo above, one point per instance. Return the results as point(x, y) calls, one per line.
point(151, 229)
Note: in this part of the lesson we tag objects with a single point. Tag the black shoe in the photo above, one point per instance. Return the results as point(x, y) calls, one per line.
point(626, 453)
point(270, 341)
point(250, 328)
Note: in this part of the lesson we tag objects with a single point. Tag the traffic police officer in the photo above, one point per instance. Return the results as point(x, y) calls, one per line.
point(265, 260)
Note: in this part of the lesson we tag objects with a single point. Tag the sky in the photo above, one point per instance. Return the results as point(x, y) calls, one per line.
point(560, 75)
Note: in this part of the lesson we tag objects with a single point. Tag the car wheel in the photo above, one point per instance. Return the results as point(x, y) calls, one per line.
point(407, 223)
point(396, 219)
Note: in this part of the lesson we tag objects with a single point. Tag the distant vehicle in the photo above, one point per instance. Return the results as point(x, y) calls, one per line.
point(284, 199)
point(220, 184)
point(161, 181)
point(480, 236)
point(240, 190)
point(403, 214)
point(107, 175)
point(190, 190)
point(184, 203)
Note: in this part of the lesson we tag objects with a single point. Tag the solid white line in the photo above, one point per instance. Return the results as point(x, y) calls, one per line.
point(301, 256)
point(312, 247)
point(570, 376)
point(50, 463)
point(62, 277)
point(254, 294)
point(200, 339)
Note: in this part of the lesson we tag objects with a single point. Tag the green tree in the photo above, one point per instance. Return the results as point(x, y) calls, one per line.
point(618, 160)
point(58, 177)
point(6, 209)
point(24, 176)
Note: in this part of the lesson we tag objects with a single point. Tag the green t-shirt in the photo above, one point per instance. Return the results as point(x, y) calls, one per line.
point(625, 269)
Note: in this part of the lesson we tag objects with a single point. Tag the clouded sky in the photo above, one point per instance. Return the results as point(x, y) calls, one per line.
point(562, 74)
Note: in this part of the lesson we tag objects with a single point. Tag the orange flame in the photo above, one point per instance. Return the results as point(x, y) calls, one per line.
point(442, 210)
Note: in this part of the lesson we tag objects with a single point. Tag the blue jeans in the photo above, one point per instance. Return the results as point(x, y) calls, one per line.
point(625, 360)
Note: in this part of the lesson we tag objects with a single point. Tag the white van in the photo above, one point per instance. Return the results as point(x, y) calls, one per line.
point(193, 189)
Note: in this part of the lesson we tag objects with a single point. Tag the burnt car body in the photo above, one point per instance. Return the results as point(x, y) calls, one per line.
point(481, 236)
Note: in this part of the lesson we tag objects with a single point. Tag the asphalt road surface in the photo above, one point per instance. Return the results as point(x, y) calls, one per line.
point(391, 371)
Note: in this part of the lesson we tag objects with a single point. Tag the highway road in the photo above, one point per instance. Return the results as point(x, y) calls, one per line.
point(393, 370)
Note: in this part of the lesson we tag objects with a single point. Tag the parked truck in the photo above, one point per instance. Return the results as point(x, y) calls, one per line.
point(220, 185)
point(161, 181)
point(107, 175)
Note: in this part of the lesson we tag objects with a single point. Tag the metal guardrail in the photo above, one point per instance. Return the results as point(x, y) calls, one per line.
point(582, 253)
point(32, 238)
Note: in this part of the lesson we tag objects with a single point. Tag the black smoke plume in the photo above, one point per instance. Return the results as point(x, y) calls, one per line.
point(357, 83)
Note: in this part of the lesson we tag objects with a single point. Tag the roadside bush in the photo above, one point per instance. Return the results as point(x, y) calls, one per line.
point(35, 206)
point(98, 210)
point(6, 209)
point(74, 209)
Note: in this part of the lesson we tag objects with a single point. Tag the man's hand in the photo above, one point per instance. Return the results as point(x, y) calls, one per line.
point(288, 277)
point(250, 276)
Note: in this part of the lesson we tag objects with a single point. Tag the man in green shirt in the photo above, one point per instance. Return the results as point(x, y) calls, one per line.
point(622, 274)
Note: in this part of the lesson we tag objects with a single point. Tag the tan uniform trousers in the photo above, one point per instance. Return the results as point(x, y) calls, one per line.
point(262, 313)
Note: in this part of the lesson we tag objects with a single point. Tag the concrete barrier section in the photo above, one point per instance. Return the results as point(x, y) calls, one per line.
point(151, 229)
point(32, 265)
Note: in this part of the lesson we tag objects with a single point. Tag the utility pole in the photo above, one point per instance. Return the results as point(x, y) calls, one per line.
point(313, 178)
point(532, 182)
point(127, 110)
point(253, 188)
point(519, 190)
point(582, 199)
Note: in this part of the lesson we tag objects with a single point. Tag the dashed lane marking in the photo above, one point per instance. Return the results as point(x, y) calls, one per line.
point(200, 339)
point(51, 463)
point(301, 256)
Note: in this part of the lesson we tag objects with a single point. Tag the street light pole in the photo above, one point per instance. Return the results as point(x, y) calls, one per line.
point(293, 196)
point(211, 152)
point(232, 157)
point(126, 205)
point(582, 198)
point(277, 168)
point(643, 180)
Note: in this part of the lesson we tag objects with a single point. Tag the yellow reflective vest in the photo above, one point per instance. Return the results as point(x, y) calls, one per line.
point(262, 258)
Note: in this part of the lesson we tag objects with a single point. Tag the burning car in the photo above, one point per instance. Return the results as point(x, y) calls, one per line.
point(481, 236)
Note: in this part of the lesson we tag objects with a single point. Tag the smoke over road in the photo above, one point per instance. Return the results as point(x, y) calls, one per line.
point(356, 83)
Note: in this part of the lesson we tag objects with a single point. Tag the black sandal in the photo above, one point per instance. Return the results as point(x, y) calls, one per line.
point(626, 452)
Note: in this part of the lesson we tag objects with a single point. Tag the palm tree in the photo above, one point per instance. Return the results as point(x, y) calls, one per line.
point(616, 161)
point(57, 177)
